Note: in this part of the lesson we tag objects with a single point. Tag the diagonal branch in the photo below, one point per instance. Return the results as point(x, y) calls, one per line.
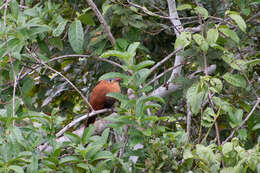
point(243, 122)
point(102, 21)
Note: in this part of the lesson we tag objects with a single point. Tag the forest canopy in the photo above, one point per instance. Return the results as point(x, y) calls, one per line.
point(189, 79)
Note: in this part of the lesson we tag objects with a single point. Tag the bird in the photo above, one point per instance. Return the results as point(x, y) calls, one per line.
point(98, 99)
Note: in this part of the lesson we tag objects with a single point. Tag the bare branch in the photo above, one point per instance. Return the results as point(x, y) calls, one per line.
point(164, 60)
point(102, 21)
point(189, 113)
point(76, 121)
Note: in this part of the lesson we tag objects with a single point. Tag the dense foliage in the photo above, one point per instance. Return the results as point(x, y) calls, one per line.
point(190, 85)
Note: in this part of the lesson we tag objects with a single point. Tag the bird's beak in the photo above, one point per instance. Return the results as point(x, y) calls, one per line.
point(118, 79)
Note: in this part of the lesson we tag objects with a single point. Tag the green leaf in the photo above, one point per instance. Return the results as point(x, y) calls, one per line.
point(38, 30)
point(212, 36)
point(87, 19)
point(239, 21)
point(195, 97)
point(84, 166)
point(228, 170)
point(220, 103)
point(184, 7)
point(187, 154)
point(235, 80)
point(18, 103)
point(143, 64)
point(230, 33)
point(14, 8)
point(16, 168)
point(118, 96)
point(121, 44)
point(73, 137)
point(18, 136)
point(256, 127)
point(140, 76)
point(183, 40)
point(102, 155)
point(242, 134)
point(237, 64)
point(56, 42)
point(31, 12)
point(76, 36)
point(69, 159)
point(202, 11)
point(208, 117)
point(227, 148)
point(154, 98)
point(124, 56)
point(27, 85)
point(88, 132)
point(132, 48)
point(216, 85)
point(113, 75)
point(104, 136)
point(205, 153)
point(201, 42)
point(92, 149)
point(60, 28)
point(236, 118)
point(253, 62)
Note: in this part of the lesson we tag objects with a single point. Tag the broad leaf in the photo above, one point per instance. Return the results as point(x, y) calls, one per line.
point(239, 21)
point(183, 40)
point(230, 33)
point(60, 28)
point(235, 80)
point(16, 168)
point(184, 7)
point(143, 64)
point(201, 42)
point(202, 11)
point(195, 98)
point(69, 159)
point(212, 36)
point(102, 155)
point(76, 36)
point(112, 75)
point(140, 76)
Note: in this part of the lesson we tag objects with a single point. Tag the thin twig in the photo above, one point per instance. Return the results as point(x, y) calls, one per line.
point(189, 113)
point(160, 75)
point(206, 73)
point(76, 121)
point(164, 59)
point(243, 122)
point(102, 21)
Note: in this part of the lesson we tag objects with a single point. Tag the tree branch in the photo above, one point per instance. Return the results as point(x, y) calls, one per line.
point(102, 21)
point(243, 122)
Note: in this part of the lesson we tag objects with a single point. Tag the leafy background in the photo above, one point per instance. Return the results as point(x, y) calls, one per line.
point(52, 53)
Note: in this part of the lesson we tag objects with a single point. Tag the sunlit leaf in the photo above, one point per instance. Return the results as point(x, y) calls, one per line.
point(184, 7)
point(239, 20)
point(183, 40)
point(235, 80)
point(202, 11)
point(212, 36)
point(60, 28)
